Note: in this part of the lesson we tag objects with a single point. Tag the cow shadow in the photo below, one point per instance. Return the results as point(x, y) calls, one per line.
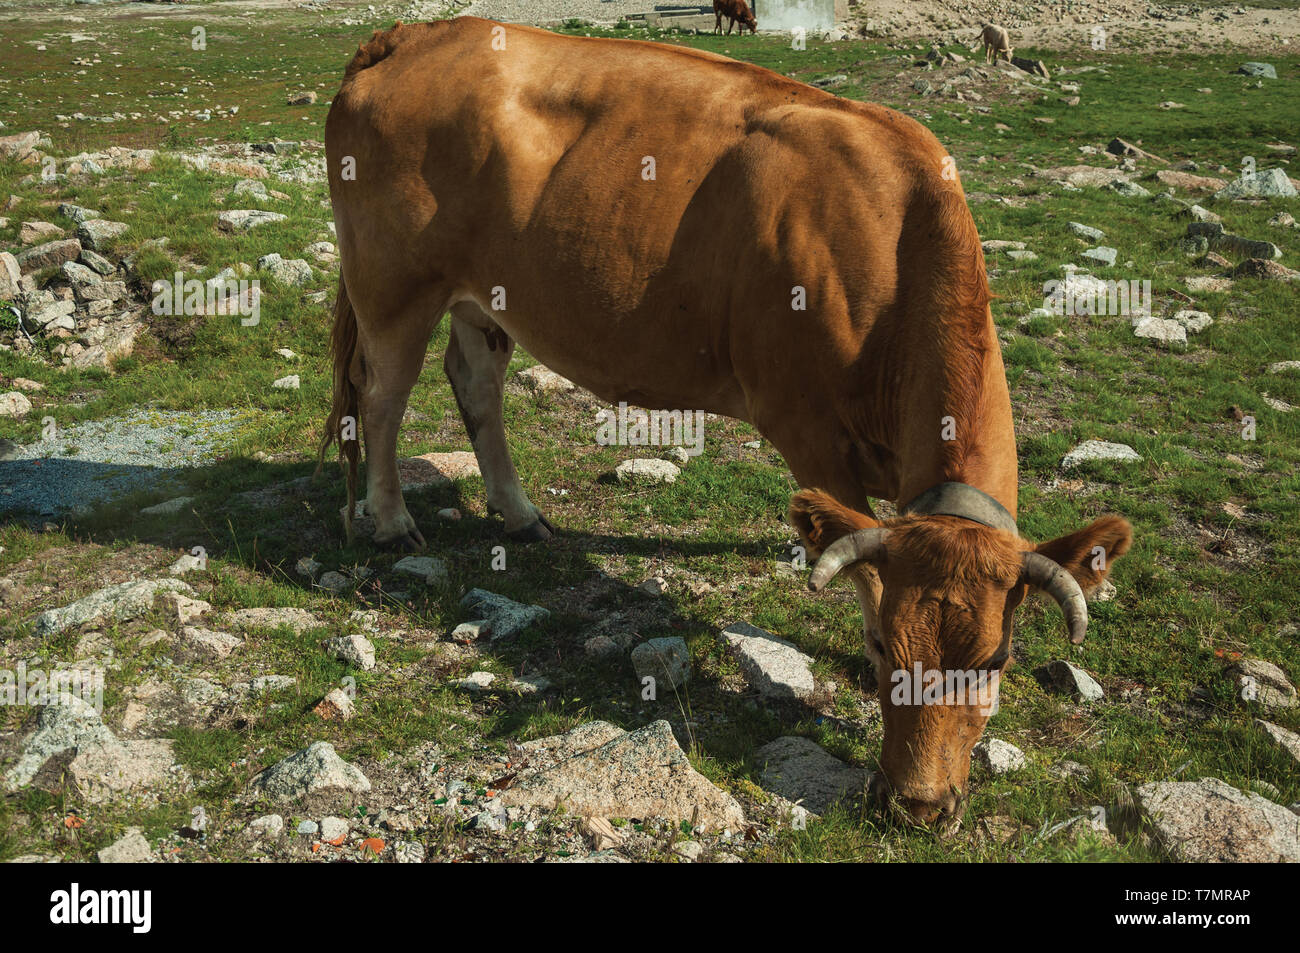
point(265, 515)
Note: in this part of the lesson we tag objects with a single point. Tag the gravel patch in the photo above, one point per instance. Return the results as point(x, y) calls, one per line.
point(86, 464)
point(545, 11)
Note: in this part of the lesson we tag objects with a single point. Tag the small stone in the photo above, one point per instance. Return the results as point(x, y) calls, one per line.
point(468, 632)
point(287, 271)
point(602, 834)
point(666, 660)
point(49, 255)
point(119, 603)
point(999, 757)
point(14, 404)
point(1128, 189)
point(1094, 450)
point(333, 830)
point(475, 682)
point(492, 818)
point(1072, 769)
point(1102, 253)
point(1061, 677)
point(314, 768)
point(96, 233)
point(1263, 183)
point(354, 649)
point(689, 850)
point(431, 570)
point(601, 646)
point(299, 620)
point(335, 582)
point(217, 645)
point(543, 380)
point(182, 608)
point(268, 825)
point(31, 232)
point(1193, 321)
point(130, 849)
point(773, 666)
point(1162, 331)
point(337, 704)
point(241, 220)
point(303, 98)
point(647, 470)
point(1285, 739)
point(1086, 231)
point(1263, 683)
point(286, 383)
point(308, 828)
point(1258, 70)
point(187, 563)
point(799, 770)
point(655, 586)
point(506, 617)
point(79, 214)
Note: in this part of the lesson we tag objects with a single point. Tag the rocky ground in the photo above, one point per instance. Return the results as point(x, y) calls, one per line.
point(271, 692)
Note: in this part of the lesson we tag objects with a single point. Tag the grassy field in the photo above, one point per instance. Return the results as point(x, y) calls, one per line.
point(1217, 523)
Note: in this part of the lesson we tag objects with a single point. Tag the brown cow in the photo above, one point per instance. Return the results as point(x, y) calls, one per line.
point(583, 197)
point(736, 11)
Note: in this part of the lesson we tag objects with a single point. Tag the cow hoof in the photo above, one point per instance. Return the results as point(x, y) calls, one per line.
point(409, 542)
point(535, 532)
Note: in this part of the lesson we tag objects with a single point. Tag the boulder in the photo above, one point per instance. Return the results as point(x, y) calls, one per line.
point(639, 774)
point(772, 666)
point(1210, 821)
point(313, 769)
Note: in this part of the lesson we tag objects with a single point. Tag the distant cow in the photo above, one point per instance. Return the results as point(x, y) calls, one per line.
point(996, 43)
point(736, 11)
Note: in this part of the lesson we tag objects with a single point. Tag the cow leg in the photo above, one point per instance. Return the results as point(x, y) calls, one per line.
point(476, 362)
point(389, 369)
point(730, 24)
point(717, 27)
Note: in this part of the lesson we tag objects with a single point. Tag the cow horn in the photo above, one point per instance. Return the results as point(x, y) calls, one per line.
point(864, 545)
point(1048, 575)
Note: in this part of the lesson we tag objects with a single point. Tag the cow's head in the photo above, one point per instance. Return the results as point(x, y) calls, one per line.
point(947, 589)
point(747, 17)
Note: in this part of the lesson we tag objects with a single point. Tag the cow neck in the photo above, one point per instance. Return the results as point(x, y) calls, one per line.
point(965, 502)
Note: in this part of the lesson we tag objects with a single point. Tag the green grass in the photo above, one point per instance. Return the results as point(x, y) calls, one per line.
point(1181, 612)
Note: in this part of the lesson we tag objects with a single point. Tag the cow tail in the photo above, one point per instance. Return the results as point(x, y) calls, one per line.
point(343, 351)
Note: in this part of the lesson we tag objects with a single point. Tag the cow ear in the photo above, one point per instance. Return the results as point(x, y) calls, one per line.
point(1088, 554)
point(820, 520)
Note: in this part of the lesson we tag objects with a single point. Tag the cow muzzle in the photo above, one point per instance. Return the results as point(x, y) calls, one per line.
point(943, 814)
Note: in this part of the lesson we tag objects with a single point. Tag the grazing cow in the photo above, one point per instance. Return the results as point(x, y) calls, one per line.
point(996, 42)
point(736, 11)
point(570, 194)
